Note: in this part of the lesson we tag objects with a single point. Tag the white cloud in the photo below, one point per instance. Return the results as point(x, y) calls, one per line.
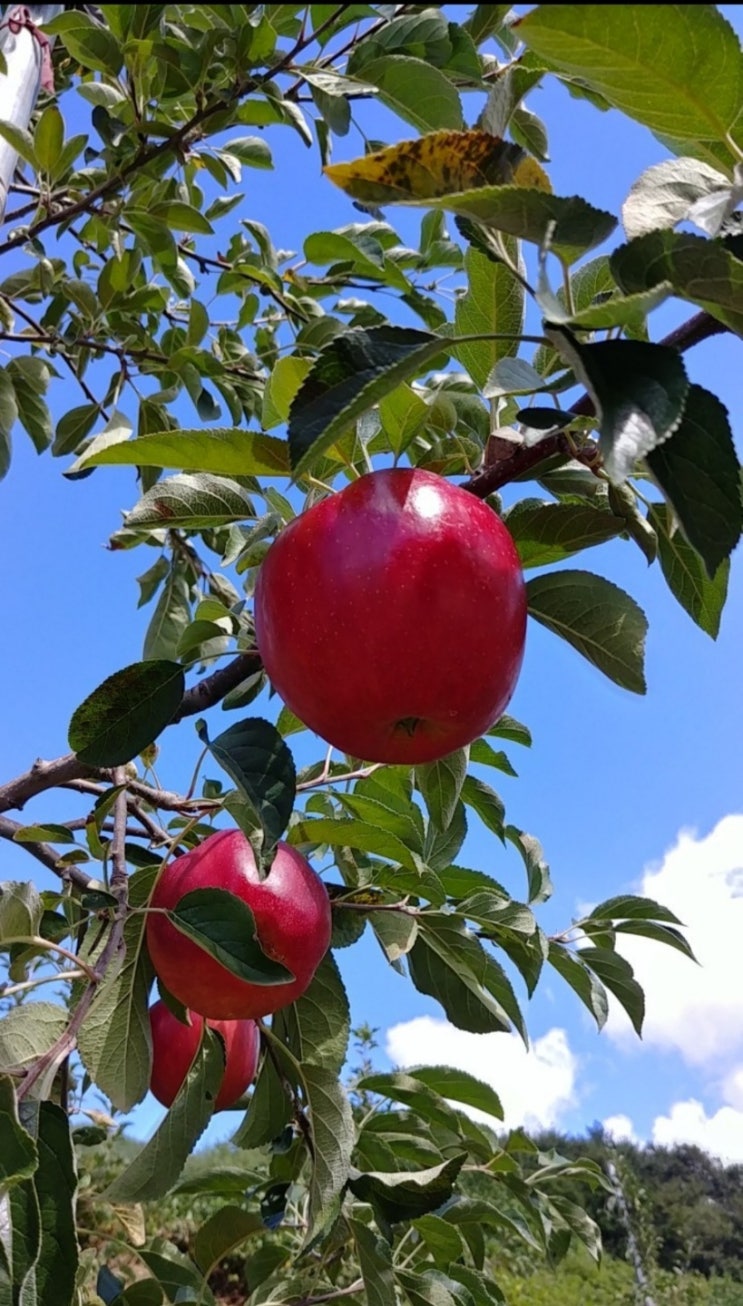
point(621, 1129)
point(720, 1134)
point(695, 1010)
point(535, 1087)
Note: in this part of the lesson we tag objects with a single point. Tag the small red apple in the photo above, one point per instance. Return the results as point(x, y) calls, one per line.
point(391, 617)
point(291, 909)
point(174, 1048)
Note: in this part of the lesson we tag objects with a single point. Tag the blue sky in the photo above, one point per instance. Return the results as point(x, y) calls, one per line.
point(609, 786)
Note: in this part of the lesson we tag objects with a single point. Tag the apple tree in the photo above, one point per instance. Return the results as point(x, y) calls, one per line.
point(246, 390)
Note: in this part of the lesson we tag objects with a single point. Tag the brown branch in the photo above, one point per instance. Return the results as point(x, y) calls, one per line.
point(523, 460)
point(213, 688)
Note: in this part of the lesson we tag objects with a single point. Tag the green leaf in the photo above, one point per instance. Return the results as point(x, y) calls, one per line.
point(115, 1041)
point(224, 926)
point(350, 376)
point(320, 1019)
point(271, 1108)
point(225, 1230)
point(617, 974)
point(21, 141)
point(228, 451)
point(441, 785)
point(417, 92)
point(686, 576)
point(450, 964)
point(150, 580)
point(630, 907)
point(278, 396)
point(442, 1239)
point(572, 225)
point(192, 502)
point(49, 139)
point(509, 728)
point(331, 1123)
point(396, 933)
point(255, 756)
point(46, 1203)
point(494, 303)
point(638, 391)
point(676, 70)
point(375, 1263)
point(182, 217)
point(482, 1287)
point(600, 620)
point(432, 1288)
point(18, 1155)
point(406, 1195)
point(156, 1167)
point(170, 617)
point(344, 833)
point(422, 1100)
point(699, 270)
point(126, 713)
point(698, 472)
point(91, 44)
point(29, 1032)
point(8, 418)
point(485, 801)
point(20, 903)
point(667, 934)
point(73, 427)
point(30, 377)
point(460, 1086)
point(537, 870)
point(550, 532)
point(582, 981)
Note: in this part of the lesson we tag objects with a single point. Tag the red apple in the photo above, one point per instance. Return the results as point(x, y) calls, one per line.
point(391, 617)
point(174, 1047)
point(291, 909)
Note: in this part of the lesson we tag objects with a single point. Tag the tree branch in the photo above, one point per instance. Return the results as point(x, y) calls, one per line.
point(523, 460)
point(213, 688)
point(44, 853)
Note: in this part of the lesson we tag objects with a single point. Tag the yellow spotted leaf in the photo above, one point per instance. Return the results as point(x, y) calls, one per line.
point(440, 164)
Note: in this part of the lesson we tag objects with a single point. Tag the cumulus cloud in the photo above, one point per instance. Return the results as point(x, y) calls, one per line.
point(720, 1134)
point(535, 1087)
point(695, 1010)
point(621, 1129)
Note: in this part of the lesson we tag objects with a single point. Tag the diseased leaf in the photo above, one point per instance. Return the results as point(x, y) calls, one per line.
point(126, 712)
point(191, 501)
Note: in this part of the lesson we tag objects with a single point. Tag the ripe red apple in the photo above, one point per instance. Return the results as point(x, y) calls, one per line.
point(174, 1048)
point(291, 909)
point(391, 617)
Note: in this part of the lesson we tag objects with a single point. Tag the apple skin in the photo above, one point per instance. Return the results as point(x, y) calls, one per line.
point(391, 617)
point(291, 909)
point(174, 1048)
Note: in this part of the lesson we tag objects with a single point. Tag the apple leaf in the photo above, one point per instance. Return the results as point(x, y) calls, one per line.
point(537, 870)
point(42, 1211)
point(702, 271)
point(638, 391)
point(270, 1109)
point(582, 981)
point(350, 376)
point(224, 926)
point(225, 1230)
point(549, 532)
point(343, 833)
point(256, 757)
point(18, 1155)
point(318, 1024)
point(449, 964)
point(698, 472)
point(441, 785)
point(115, 1043)
point(460, 1086)
point(598, 618)
point(193, 501)
point(416, 92)
point(156, 1167)
point(126, 712)
point(679, 72)
point(701, 595)
point(666, 194)
point(493, 304)
point(29, 1032)
point(405, 1195)
point(616, 973)
point(229, 451)
point(418, 1096)
point(20, 904)
point(375, 1264)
